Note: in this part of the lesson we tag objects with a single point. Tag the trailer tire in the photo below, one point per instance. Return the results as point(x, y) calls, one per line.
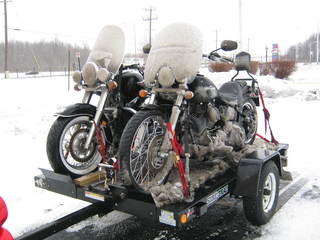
point(260, 209)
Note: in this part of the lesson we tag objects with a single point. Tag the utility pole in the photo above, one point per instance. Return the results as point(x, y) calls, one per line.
point(318, 43)
point(217, 38)
point(135, 40)
point(5, 40)
point(150, 18)
point(266, 54)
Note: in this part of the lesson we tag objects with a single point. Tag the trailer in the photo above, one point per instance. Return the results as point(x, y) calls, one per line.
point(252, 182)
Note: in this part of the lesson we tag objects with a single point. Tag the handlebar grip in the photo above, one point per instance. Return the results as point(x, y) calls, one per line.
point(227, 59)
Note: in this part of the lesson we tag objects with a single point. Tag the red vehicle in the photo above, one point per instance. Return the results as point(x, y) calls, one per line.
point(4, 233)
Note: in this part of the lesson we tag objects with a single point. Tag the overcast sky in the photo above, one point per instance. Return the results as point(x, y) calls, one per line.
point(264, 21)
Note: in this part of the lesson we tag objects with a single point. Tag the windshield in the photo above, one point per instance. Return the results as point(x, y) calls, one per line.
point(108, 50)
point(178, 46)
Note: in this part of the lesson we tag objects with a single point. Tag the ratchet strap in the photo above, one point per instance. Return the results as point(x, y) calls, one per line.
point(266, 121)
point(178, 151)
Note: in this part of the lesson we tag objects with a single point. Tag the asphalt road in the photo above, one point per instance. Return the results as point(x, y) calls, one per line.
point(223, 221)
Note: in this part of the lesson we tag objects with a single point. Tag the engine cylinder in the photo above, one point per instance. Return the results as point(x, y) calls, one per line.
point(213, 113)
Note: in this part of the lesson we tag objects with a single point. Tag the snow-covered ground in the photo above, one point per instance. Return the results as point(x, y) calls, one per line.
point(26, 112)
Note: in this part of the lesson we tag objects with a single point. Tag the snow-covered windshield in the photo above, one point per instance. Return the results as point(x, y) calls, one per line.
point(178, 46)
point(108, 46)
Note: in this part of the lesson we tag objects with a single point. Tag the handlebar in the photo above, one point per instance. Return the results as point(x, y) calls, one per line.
point(214, 56)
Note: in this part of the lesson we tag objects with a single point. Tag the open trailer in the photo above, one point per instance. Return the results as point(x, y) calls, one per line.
point(250, 182)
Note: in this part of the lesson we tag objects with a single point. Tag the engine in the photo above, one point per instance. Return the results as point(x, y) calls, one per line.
point(214, 131)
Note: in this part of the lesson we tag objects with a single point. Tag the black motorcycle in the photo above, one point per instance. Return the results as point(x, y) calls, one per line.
point(186, 117)
point(83, 135)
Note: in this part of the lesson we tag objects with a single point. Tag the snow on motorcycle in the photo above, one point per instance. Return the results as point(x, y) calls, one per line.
point(187, 117)
point(84, 135)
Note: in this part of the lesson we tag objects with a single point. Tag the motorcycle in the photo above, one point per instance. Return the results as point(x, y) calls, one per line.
point(186, 117)
point(84, 135)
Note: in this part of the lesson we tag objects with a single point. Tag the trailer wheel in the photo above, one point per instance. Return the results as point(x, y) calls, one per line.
point(261, 208)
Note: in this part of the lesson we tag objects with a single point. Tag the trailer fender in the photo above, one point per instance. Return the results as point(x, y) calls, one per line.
point(78, 109)
point(249, 170)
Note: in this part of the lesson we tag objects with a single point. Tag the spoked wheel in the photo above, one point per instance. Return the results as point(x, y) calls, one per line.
point(139, 148)
point(250, 121)
point(260, 209)
point(65, 146)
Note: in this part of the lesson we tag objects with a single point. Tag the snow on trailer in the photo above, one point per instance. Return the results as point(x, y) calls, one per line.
point(91, 188)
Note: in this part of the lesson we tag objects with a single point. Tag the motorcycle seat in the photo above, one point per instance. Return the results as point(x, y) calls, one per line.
point(231, 93)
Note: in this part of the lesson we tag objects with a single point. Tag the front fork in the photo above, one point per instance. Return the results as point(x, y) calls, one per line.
point(97, 117)
point(166, 145)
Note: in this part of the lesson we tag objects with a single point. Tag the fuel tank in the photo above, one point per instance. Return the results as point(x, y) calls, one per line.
point(203, 88)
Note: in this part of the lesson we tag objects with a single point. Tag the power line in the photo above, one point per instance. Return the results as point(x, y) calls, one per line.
point(48, 33)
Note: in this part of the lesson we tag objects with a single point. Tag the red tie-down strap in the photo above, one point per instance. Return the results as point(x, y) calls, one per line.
point(178, 151)
point(266, 121)
point(101, 145)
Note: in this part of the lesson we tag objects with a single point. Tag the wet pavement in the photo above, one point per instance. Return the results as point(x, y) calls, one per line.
point(223, 221)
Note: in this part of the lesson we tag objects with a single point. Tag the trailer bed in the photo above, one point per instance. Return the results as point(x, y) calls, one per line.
point(127, 199)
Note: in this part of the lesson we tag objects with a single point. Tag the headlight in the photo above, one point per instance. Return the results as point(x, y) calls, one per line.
point(76, 76)
point(166, 77)
point(89, 73)
point(103, 74)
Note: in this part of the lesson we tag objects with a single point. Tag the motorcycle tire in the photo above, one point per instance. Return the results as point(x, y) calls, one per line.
point(259, 210)
point(139, 145)
point(65, 139)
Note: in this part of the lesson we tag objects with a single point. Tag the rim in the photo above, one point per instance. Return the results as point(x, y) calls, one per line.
point(144, 160)
point(250, 121)
point(269, 192)
point(74, 157)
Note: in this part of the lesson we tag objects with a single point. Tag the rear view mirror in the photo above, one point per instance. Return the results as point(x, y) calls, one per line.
point(228, 45)
point(146, 48)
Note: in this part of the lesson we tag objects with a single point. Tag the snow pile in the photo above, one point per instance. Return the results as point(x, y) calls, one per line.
point(310, 95)
point(302, 84)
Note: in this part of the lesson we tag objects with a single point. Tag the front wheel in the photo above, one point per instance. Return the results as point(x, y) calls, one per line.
point(65, 146)
point(139, 147)
point(261, 208)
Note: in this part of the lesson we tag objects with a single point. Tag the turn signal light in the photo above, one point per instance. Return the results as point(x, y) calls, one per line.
point(143, 93)
point(183, 218)
point(77, 88)
point(112, 85)
point(188, 95)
